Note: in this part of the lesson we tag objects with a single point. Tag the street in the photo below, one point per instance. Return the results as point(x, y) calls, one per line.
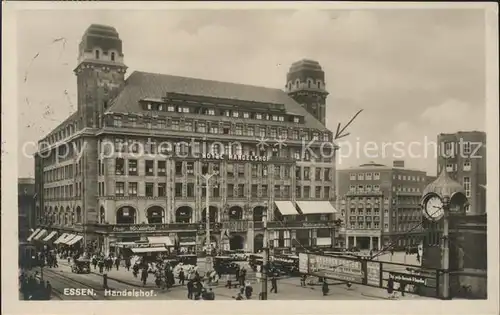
point(90, 287)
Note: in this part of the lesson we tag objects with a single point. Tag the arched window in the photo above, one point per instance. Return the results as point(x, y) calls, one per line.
point(112, 56)
point(297, 82)
point(102, 215)
point(309, 84)
point(78, 215)
point(258, 213)
point(212, 214)
point(155, 215)
point(235, 213)
point(97, 54)
point(183, 214)
point(319, 84)
point(126, 215)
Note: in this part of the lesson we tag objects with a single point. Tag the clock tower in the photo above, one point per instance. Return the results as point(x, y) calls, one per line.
point(305, 83)
point(100, 73)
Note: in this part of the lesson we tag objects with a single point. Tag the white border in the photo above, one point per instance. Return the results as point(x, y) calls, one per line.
point(11, 305)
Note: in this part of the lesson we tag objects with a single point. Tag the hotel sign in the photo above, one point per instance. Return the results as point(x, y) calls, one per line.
point(410, 279)
point(235, 157)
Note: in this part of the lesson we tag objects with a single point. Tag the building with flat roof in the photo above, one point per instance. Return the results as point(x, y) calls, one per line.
point(128, 164)
point(463, 154)
point(26, 206)
point(380, 205)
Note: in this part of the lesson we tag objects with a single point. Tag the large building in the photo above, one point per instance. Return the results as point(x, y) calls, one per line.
point(463, 154)
point(128, 164)
point(380, 205)
point(26, 205)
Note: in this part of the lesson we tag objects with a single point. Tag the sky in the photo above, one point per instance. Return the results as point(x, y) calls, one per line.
point(415, 73)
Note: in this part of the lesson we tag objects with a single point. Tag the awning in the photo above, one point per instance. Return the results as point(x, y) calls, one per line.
point(51, 235)
point(40, 234)
point(149, 250)
point(68, 238)
point(61, 238)
point(33, 234)
point(286, 207)
point(74, 240)
point(316, 207)
point(160, 240)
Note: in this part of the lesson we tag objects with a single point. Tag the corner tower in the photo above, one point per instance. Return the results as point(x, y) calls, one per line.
point(305, 83)
point(100, 73)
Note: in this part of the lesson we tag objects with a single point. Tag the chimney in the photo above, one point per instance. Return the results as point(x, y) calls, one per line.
point(398, 163)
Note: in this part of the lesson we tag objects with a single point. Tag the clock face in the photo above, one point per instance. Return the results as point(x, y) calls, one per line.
point(434, 207)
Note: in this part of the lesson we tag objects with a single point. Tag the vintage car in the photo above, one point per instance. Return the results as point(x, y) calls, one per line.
point(81, 265)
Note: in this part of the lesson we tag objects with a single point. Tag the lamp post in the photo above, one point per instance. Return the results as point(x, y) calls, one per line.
point(208, 260)
point(265, 258)
point(446, 247)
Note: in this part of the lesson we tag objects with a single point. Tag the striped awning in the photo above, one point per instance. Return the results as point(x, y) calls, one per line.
point(316, 207)
point(40, 234)
point(61, 238)
point(33, 234)
point(68, 239)
point(75, 240)
point(50, 236)
point(286, 208)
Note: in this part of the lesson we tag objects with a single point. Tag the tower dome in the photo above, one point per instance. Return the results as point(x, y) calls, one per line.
point(101, 42)
point(444, 186)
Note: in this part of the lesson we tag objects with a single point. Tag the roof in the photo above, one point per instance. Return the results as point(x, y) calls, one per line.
point(373, 165)
point(444, 186)
point(140, 85)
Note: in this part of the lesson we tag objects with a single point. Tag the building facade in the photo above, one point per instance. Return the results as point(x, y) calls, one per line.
point(128, 164)
point(380, 205)
point(26, 206)
point(463, 154)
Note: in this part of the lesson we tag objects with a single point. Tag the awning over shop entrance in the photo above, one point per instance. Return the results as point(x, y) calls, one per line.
point(149, 250)
point(74, 240)
point(50, 236)
point(68, 238)
point(316, 207)
point(61, 238)
point(160, 240)
point(187, 243)
point(33, 234)
point(40, 234)
point(286, 208)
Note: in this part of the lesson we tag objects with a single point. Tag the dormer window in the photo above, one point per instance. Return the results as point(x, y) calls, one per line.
point(281, 118)
point(210, 112)
point(149, 106)
point(246, 115)
point(258, 116)
point(160, 107)
point(319, 84)
point(236, 114)
point(112, 56)
point(275, 118)
point(171, 108)
point(296, 119)
point(97, 54)
point(297, 83)
point(308, 84)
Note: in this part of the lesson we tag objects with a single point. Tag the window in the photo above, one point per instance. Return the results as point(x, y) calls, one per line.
point(201, 127)
point(149, 168)
point(150, 189)
point(286, 191)
point(246, 115)
point(298, 192)
point(238, 130)
point(361, 188)
point(449, 148)
point(178, 189)
point(262, 132)
point(162, 189)
point(449, 167)
point(210, 112)
point(120, 189)
point(117, 122)
point(307, 192)
point(286, 172)
point(250, 131)
point(162, 168)
point(188, 126)
point(467, 208)
point(230, 190)
point(230, 170)
point(368, 188)
point(171, 108)
point(352, 176)
point(467, 186)
point(190, 168)
point(178, 168)
point(258, 116)
point(317, 192)
point(352, 188)
point(467, 165)
point(97, 54)
point(306, 173)
point(236, 114)
point(241, 170)
point(132, 167)
point(241, 190)
point(132, 189)
point(119, 166)
point(296, 120)
point(175, 125)
point(277, 191)
point(254, 190)
point(376, 187)
point(467, 147)
point(190, 190)
point(213, 129)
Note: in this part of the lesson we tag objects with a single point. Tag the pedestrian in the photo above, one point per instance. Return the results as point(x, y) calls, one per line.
point(418, 257)
point(135, 269)
point(94, 261)
point(325, 289)
point(190, 288)
point(248, 291)
point(303, 280)
point(144, 276)
point(101, 266)
point(402, 286)
point(274, 284)
point(182, 277)
point(390, 287)
point(127, 264)
point(48, 290)
point(117, 263)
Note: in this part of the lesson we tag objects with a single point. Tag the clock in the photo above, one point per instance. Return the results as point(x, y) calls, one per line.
point(433, 207)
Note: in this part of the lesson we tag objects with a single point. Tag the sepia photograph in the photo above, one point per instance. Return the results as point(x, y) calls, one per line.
point(251, 153)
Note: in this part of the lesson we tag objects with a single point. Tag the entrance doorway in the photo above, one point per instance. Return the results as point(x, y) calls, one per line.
point(258, 243)
point(236, 242)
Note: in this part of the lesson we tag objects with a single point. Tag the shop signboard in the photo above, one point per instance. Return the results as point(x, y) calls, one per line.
point(304, 263)
point(408, 278)
point(373, 275)
point(149, 227)
point(336, 268)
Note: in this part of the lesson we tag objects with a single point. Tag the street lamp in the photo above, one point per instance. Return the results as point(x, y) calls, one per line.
point(208, 260)
point(265, 256)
